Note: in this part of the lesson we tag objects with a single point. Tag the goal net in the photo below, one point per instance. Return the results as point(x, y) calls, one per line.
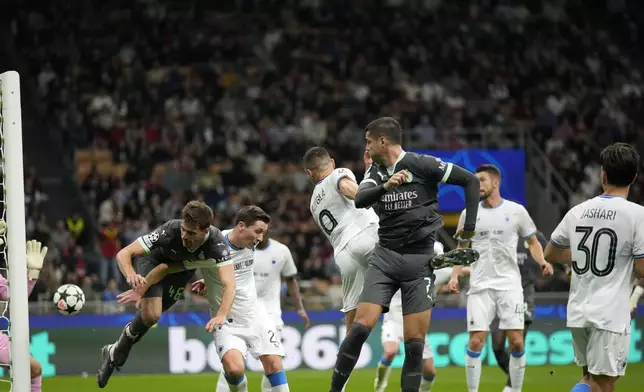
point(14, 345)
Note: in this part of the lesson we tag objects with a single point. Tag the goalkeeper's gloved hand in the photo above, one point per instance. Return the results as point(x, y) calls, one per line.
point(35, 258)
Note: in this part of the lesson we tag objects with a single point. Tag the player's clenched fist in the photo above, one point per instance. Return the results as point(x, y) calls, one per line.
point(396, 180)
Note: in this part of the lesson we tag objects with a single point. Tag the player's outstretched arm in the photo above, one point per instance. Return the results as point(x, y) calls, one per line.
point(226, 275)
point(124, 261)
point(470, 184)
point(35, 258)
point(368, 193)
point(536, 251)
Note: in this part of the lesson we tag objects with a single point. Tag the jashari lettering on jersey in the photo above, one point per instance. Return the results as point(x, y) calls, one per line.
point(599, 213)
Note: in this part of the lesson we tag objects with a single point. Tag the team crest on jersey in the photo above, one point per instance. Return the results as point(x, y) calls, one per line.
point(409, 177)
point(201, 256)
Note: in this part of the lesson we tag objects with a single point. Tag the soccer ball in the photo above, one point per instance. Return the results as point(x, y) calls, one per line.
point(69, 299)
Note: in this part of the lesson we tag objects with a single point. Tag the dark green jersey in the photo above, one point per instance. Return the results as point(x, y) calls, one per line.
point(408, 213)
point(164, 245)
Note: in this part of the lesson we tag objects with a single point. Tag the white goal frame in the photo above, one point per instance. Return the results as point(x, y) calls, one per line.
point(14, 190)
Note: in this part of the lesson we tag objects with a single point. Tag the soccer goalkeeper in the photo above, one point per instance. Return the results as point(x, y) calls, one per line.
point(35, 258)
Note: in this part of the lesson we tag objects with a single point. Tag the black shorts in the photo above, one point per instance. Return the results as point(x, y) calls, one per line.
point(170, 288)
point(389, 271)
point(528, 298)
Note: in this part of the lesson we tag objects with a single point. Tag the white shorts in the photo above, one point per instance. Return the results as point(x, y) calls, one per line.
point(392, 332)
point(260, 338)
point(352, 260)
point(604, 352)
point(483, 306)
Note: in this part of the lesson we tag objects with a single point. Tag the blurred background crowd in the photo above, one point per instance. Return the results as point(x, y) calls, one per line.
point(197, 100)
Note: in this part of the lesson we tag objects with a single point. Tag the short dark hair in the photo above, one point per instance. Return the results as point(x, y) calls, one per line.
point(621, 164)
point(386, 127)
point(197, 212)
point(251, 214)
point(490, 169)
point(314, 157)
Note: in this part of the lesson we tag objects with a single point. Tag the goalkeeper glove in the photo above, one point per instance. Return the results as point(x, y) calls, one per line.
point(35, 257)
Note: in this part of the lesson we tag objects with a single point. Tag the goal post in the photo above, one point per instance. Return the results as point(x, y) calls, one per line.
point(13, 201)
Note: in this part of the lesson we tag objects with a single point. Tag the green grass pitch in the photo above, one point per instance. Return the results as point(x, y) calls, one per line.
point(538, 379)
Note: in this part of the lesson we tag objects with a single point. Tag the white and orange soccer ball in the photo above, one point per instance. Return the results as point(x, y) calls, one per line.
point(69, 299)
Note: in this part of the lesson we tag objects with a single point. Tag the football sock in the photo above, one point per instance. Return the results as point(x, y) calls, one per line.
point(517, 370)
point(266, 385)
point(222, 383)
point(278, 381)
point(382, 373)
point(348, 355)
point(580, 387)
point(36, 384)
point(472, 370)
point(237, 385)
point(138, 328)
point(412, 370)
point(426, 383)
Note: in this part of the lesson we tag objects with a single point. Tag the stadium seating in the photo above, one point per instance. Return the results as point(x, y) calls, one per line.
point(190, 101)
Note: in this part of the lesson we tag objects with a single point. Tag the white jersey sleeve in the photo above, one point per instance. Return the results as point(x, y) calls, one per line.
point(560, 237)
point(335, 214)
point(605, 235)
point(245, 301)
point(526, 225)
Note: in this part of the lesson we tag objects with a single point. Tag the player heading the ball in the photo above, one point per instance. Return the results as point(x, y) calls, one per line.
point(181, 245)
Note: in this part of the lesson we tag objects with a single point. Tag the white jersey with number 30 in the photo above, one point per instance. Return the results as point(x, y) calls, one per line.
point(336, 215)
point(605, 234)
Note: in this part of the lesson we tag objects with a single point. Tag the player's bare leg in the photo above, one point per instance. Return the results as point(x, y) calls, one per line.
point(415, 328)
point(517, 358)
point(429, 375)
point(349, 317)
point(367, 316)
point(389, 351)
point(473, 359)
point(274, 371)
point(115, 354)
point(234, 373)
point(36, 375)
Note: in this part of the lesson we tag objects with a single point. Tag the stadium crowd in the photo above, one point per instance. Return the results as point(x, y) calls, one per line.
point(193, 102)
